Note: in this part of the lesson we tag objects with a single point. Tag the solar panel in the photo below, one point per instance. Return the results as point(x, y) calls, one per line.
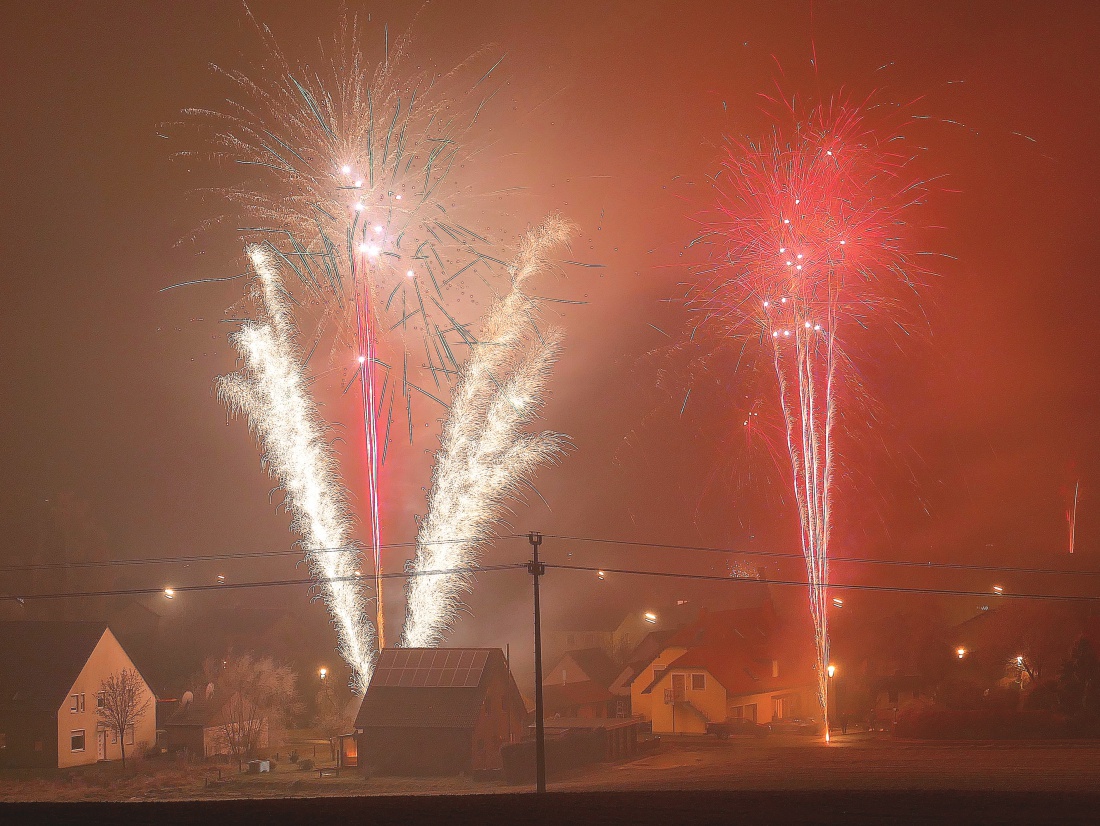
point(430, 667)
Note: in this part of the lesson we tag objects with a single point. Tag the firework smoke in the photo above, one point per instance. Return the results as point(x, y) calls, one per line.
point(485, 455)
point(808, 257)
point(271, 391)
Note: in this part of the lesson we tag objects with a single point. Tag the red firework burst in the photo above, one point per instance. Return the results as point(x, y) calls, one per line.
point(809, 256)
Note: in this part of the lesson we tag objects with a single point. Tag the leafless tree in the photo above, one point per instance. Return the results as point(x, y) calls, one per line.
point(124, 702)
point(257, 693)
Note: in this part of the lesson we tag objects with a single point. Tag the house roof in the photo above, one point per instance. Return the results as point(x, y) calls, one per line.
point(198, 712)
point(737, 648)
point(430, 687)
point(569, 695)
point(596, 665)
point(40, 661)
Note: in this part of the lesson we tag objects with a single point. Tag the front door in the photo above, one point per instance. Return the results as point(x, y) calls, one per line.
point(679, 687)
point(101, 744)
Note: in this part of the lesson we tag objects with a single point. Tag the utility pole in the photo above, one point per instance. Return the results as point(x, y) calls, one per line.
point(537, 569)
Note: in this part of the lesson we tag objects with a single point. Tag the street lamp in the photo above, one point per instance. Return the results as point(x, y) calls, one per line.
point(961, 652)
point(322, 674)
point(169, 593)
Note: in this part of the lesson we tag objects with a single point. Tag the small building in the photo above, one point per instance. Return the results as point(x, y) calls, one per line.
point(200, 727)
point(50, 679)
point(579, 685)
point(438, 711)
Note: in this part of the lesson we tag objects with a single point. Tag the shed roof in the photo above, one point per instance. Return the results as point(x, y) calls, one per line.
point(430, 687)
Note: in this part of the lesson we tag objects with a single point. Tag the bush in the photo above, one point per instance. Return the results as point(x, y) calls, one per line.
point(305, 765)
point(293, 756)
point(985, 724)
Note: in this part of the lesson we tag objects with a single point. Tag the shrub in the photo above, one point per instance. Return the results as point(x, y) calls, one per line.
point(305, 765)
point(293, 756)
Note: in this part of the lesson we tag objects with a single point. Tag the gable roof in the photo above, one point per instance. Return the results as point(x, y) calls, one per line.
point(737, 648)
point(430, 687)
point(596, 665)
point(40, 661)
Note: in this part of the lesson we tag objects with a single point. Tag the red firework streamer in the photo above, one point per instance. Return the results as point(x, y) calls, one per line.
point(808, 255)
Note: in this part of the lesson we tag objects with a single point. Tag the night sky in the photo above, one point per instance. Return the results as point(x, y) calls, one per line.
point(613, 116)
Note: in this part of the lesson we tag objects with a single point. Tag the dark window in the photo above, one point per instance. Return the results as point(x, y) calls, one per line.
point(76, 742)
point(698, 682)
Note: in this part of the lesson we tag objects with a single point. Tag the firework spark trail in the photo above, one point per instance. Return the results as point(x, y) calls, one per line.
point(1071, 516)
point(271, 391)
point(347, 176)
point(485, 455)
point(809, 256)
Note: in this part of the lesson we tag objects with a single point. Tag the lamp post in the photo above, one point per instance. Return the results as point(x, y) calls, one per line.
point(831, 672)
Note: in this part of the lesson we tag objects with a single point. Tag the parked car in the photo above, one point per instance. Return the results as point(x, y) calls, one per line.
point(796, 725)
point(737, 727)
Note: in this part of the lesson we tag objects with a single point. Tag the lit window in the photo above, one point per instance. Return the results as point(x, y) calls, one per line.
point(698, 682)
point(76, 742)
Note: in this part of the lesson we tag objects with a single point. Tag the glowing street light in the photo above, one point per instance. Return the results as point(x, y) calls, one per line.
point(961, 652)
point(600, 575)
point(169, 593)
point(650, 618)
point(831, 670)
point(997, 589)
point(838, 602)
point(322, 673)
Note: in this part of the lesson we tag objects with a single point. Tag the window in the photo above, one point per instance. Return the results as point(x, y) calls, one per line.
point(76, 742)
point(129, 735)
point(750, 712)
point(775, 668)
point(698, 682)
point(737, 712)
point(114, 736)
point(76, 703)
point(99, 700)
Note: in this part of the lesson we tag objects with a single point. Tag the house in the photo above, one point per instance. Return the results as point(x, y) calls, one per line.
point(738, 663)
point(50, 679)
point(201, 727)
point(435, 711)
point(578, 685)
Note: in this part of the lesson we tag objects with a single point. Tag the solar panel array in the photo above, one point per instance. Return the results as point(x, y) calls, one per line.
point(430, 668)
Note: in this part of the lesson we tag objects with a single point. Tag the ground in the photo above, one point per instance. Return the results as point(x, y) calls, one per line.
point(856, 762)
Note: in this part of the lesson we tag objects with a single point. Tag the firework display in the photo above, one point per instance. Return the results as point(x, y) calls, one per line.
point(271, 391)
point(349, 186)
point(809, 258)
point(485, 453)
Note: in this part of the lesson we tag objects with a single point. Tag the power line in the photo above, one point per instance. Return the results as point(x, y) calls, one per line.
point(276, 583)
point(857, 560)
point(232, 555)
point(311, 581)
point(839, 586)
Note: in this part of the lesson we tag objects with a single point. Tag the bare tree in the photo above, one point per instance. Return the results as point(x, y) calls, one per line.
point(257, 693)
point(124, 703)
point(331, 718)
